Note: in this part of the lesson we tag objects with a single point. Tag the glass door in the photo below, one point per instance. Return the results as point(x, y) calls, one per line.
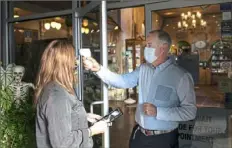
point(201, 44)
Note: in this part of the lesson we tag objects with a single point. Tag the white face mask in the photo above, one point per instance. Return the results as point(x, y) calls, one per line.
point(149, 54)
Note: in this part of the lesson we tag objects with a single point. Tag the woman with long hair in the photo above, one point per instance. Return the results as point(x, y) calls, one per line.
point(61, 120)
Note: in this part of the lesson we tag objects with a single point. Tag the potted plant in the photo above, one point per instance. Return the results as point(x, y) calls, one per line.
point(17, 122)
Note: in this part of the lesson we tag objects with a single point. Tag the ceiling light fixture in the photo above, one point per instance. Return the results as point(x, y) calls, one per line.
point(85, 22)
point(95, 24)
point(86, 30)
point(16, 15)
point(82, 30)
point(47, 26)
point(53, 24)
point(190, 21)
point(58, 26)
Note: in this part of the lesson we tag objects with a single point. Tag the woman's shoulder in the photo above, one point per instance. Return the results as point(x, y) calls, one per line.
point(55, 88)
point(55, 93)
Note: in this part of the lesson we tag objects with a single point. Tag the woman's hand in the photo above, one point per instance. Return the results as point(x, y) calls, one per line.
point(98, 128)
point(92, 118)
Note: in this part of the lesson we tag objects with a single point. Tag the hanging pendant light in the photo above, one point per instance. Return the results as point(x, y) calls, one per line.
point(58, 26)
point(95, 24)
point(82, 30)
point(16, 14)
point(85, 22)
point(47, 26)
point(53, 24)
point(116, 28)
point(86, 30)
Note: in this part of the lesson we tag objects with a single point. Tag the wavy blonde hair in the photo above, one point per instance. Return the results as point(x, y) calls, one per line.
point(57, 64)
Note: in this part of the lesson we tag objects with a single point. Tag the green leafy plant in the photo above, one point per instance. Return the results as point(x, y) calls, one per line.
point(16, 122)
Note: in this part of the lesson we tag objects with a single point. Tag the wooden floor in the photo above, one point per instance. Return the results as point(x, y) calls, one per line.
point(122, 127)
point(120, 131)
point(209, 96)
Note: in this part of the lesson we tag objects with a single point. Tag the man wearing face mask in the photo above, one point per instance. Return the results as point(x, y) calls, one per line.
point(166, 94)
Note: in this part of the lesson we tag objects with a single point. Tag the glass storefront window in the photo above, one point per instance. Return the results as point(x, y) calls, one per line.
point(187, 23)
point(31, 38)
point(26, 8)
point(194, 30)
point(202, 45)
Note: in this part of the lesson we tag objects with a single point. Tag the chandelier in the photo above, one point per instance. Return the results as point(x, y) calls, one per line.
point(190, 21)
point(52, 24)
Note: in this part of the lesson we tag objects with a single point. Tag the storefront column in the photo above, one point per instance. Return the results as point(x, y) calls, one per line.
point(77, 41)
point(104, 61)
point(4, 34)
point(11, 38)
point(1, 31)
point(148, 19)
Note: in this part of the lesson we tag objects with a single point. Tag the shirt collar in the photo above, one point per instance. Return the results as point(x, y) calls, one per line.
point(165, 64)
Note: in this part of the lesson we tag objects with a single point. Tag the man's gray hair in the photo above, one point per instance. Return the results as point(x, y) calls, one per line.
point(163, 36)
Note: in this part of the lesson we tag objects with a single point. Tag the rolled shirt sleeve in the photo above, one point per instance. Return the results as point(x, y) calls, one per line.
point(127, 80)
point(61, 135)
point(187, 109)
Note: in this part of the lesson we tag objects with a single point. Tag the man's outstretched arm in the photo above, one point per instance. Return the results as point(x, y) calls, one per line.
point(127, 80)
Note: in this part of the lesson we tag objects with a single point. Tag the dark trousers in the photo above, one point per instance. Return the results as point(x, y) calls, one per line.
point(167, 140)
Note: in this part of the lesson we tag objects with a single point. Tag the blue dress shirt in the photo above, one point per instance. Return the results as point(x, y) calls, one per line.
point(168, 87)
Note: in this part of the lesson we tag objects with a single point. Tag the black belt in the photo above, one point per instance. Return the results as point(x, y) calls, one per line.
point(153, 132)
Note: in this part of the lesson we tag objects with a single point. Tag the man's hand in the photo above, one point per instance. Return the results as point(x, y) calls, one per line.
point(149, 109)
point(91, 64)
